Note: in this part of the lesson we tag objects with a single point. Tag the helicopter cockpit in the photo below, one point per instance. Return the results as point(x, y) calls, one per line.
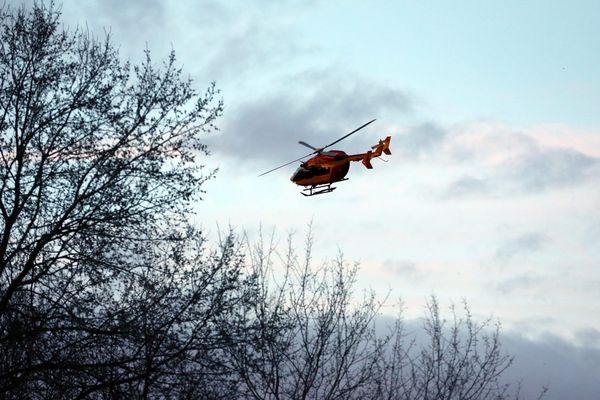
point(308, 171)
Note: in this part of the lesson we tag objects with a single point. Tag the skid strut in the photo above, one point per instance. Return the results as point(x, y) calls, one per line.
point(319, 189)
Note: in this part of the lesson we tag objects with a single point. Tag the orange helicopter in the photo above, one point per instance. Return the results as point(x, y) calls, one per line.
point(327, 167)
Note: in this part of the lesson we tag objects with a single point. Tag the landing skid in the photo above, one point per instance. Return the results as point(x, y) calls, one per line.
point(319, 189)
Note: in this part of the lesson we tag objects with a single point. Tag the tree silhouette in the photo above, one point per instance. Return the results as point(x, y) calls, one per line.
point(310, 338)
point(99, 166)
point(457, 359)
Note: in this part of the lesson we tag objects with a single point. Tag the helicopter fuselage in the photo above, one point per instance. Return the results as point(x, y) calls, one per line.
point(322, 169)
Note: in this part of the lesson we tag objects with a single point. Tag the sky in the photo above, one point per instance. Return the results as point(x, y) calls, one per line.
point(492, 193)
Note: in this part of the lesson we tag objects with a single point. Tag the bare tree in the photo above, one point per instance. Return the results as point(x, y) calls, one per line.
point(460, 359)
point(309, 338)
point(98, 166)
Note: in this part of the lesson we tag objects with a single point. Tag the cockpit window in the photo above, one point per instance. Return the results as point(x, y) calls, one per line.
point(309, 172)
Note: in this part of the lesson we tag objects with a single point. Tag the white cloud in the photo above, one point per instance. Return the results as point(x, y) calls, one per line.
point(521, 245)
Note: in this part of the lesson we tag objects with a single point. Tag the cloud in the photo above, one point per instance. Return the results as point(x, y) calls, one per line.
point(143, 12)
point(588, 337)
point(569, 370)
point(342, 95)
point(564, 136)
point(521, 282)
point(508, 162)
point(521, 245)
point(268, 128)
point(551, 168)
point(133, 24)
point(487, 143)
point(217, 40)
point(249, 47)
point(465, 186)
point(421, 140)
point(404, 269)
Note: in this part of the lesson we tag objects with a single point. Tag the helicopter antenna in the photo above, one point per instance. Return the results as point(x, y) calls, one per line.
point(317, 150)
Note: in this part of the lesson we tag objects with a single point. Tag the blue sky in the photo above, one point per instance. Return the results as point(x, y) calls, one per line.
point(492, 192)
point(522, 62)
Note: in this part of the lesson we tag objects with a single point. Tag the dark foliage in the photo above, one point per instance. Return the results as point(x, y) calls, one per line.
point(104, 289)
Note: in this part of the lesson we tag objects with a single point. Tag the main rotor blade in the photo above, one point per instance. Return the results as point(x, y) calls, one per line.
point(344, 137)
point(286, 164)
point(315, 149)
point(308, 145)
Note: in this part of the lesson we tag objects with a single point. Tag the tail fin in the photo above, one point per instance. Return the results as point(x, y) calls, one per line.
point(386, 145)
point(382, 147)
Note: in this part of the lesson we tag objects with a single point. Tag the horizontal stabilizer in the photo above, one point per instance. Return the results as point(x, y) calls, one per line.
point(367, 160)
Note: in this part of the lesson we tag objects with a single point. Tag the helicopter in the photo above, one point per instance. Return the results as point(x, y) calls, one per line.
point(318, 173)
